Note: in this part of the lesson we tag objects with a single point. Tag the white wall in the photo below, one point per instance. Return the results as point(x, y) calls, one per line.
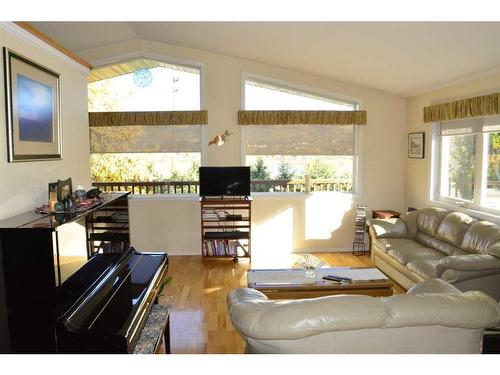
point(23, 185)
point(321, 222)
point(418, 170)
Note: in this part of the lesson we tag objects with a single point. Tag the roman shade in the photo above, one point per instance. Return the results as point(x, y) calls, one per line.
point(145, 132)
point(479, 106)
point(283, 117)
point(299, 140)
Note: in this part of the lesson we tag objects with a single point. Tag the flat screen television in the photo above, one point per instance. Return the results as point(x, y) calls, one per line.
point(229, 181)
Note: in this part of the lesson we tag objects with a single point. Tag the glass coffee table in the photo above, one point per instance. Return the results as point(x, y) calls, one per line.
point(293, 283)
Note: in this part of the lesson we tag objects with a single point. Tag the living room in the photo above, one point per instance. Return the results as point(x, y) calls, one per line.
point(411, 66)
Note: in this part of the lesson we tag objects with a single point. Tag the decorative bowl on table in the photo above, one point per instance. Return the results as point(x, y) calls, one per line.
point(309, 263)
point(79, 193)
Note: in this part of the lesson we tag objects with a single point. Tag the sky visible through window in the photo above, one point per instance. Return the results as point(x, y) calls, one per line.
point(260, 97)
point(170, 89)
point(271, 151)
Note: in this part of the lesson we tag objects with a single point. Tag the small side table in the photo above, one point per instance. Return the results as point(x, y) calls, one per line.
point(385, 214)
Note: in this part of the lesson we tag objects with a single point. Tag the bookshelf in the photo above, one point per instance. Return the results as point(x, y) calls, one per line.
point(226, 226)
point(107, 227)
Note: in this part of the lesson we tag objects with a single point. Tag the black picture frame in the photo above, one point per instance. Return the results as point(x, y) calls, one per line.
point(416, 145)
point(33, 105)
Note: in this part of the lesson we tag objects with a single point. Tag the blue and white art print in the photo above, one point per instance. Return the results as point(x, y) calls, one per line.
point(35, 106)
point(32, 106)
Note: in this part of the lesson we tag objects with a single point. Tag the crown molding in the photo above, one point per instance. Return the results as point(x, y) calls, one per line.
point(36, 38)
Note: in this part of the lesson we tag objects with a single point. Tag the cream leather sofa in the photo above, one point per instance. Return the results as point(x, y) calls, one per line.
point(433, 317)
point(436, 243)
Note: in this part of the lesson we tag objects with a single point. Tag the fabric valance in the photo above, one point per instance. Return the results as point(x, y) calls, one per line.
point(479, 106)
point(302, 117)
point(148, 118)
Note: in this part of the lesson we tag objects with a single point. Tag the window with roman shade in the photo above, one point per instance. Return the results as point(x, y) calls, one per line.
point(145, 123)
point(467, 152)
point(296, 140)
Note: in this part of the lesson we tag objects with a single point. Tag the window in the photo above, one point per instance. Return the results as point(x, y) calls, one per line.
point(469, 163)
point(145, 153)
point(281, 156)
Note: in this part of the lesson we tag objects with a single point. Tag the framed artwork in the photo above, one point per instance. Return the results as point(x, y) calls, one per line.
point(416, 145)
point(33, 109)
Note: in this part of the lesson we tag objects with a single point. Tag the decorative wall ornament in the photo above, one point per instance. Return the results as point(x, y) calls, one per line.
point(142, 78)
point(33, 109)
point(220, 139)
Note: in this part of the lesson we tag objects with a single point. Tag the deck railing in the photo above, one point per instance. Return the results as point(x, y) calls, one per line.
point(192, 187)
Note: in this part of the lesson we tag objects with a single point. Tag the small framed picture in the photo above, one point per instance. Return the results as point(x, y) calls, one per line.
point(416, 145)
point(64, 189)
point(32, 108)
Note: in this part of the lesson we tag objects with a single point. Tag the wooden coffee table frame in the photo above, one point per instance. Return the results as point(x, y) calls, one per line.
point(378, 288)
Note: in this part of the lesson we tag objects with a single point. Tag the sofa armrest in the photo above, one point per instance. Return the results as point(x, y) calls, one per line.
point(388, 228)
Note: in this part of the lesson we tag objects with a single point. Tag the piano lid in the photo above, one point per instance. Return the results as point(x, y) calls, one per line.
point(111, 305)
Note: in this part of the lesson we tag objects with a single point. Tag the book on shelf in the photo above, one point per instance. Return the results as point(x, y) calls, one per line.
point(210, 217)
point(220, 247)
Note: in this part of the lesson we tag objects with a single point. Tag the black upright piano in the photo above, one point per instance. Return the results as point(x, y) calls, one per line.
point(70, 283)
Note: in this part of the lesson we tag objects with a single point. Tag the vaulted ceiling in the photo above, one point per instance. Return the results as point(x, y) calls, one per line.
point(405, 58)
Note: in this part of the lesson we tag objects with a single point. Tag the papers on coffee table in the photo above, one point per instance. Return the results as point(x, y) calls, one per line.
point(297, 276)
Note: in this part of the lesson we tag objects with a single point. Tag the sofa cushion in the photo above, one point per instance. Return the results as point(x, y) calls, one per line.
point(436, 244)
point(453, 228)
point(480, 237)
point(389, 228)
point(429, 219)
point(495, 250)
point(425, 268)
point(449, 309)
point(416, 252)
point(410, 218)
point(386, 244)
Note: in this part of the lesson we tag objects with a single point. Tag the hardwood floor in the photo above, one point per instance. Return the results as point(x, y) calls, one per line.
point(199, 320)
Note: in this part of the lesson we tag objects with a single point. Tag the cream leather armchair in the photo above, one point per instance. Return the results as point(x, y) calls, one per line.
point(433, 317)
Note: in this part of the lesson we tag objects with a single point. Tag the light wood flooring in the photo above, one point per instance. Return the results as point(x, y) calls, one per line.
point(199, 320)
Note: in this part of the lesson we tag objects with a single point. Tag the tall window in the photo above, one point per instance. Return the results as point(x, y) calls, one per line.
point(281, 156)
point(469, 163)
point(145, 153)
